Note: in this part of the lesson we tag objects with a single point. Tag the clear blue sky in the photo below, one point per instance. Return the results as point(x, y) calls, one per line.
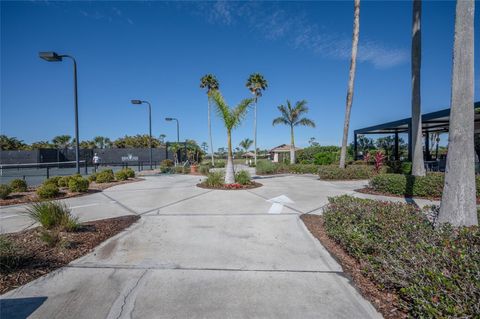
point(158, 51)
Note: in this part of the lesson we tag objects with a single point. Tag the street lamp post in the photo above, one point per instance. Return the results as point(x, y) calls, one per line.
point(149, 126)
point(169, 119)
point(55, 57)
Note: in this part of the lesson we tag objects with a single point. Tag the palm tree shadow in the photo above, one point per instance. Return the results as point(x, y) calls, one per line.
point(409, 187)
point(20, 308)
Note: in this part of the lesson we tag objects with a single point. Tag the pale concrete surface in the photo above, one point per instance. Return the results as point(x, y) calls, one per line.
point(199, 253)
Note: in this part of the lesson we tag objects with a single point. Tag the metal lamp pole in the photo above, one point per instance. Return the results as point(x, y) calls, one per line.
point(178, 126)
point(149, 127)
point(55, 57)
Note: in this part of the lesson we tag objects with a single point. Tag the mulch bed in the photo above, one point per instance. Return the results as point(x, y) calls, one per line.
point(37, 259)
point(31, 195)
point(385, 302)
point(232, 187)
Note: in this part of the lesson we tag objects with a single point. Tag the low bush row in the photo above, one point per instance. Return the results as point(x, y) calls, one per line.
point(430, 185)
point(434, 271)
point(216, 179)
point(351, 172)
point(16, 185)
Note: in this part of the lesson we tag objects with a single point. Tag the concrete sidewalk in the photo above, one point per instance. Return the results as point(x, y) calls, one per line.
point(199, 253)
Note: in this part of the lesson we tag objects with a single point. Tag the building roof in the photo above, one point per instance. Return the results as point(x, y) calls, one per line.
point(248, 154)
point(438, 121)
point(283, 148)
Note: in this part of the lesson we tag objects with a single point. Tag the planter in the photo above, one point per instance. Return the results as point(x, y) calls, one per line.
point(193, 169)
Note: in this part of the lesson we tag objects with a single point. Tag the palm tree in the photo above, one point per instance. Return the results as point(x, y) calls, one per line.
point(351, 80)
point(246, 144)
point(210, 82)
point(292, 116)
point(458, 206)
point(232, 119)
point(418, 167)
point(61, 141)
point(256, 84)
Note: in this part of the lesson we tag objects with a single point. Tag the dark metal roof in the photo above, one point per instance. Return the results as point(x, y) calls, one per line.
point(438, 121)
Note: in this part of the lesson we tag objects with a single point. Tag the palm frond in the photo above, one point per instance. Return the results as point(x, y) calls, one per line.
point(240, 111)
point(222, 108)
point(305, 122)
point(280, 120)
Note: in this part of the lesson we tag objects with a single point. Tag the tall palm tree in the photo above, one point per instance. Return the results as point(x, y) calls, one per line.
point(351, 80)
point(246, 144)
point(418, 167)
point(232, 119)
point(256, 84)
point(292, 116)
point(209, 82)
point(458, 206)
point(61, 141)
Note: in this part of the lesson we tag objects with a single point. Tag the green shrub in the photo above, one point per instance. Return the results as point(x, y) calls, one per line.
point(167, 163)
point(309, 154)
point(18, 185)
point(214, 179)
point(10, 255)
point(53, 215)
point(63, 181)
point(220, 164)
point(399, 167)
point(266, 167)
point(204, 169)
point(92, 177)
point(434, 271)
point(181, 170)
point(78, 184)
point(52, 180)
point(325, 158)
point(130, 172)
point(299, 168)
point(430, 185)
point(48, 191)
point(105, 176)
point(50, 237)
point(243, 178)
point(351, 172)
point(121, 175)
point(5, 190)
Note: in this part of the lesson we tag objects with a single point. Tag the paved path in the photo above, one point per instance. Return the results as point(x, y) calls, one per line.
point(199, 253)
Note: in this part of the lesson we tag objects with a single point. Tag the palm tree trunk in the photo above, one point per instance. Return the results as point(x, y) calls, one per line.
point(351, 80)
point(229, 171)
point(458, 206)
point(255, 131)
point(292, 146)
point(418, 167)
point(210, 131)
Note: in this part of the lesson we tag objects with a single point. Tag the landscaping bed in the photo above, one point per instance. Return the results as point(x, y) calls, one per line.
point(230, 187)
point(24, 256)
point(418, 270)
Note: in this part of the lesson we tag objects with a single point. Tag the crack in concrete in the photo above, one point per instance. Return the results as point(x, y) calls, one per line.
point(128, 294)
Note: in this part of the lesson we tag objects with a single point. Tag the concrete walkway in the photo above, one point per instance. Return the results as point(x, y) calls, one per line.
point(198, 253)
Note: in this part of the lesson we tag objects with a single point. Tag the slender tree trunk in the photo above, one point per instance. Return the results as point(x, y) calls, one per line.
point(458, 206)
point(210, 131)
point(255, 131)
point(351, 80)
point(292, 146)
point(418, 167)
point(229, 171)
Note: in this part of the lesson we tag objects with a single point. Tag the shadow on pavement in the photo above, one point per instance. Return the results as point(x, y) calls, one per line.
point(19, 308)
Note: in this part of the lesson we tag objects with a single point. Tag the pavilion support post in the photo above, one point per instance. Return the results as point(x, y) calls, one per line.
point(410, 141)
point(428, 157)
point(355, 147)
point(397, 157)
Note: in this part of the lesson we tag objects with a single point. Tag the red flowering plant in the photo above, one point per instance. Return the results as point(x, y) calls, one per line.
point(379, 159)
point(367, 158)
point(233, 186)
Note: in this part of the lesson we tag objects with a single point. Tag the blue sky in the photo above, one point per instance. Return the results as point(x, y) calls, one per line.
point(157, 51)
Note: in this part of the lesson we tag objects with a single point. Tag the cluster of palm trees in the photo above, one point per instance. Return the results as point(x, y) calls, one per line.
point(458, 206)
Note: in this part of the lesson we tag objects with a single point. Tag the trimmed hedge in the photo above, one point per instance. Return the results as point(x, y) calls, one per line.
point(48, 191)
point(265, 167)
point(430, 185)
point(19, 185)
point(121, 175)
point(78, 184)
point(5, 190)
point(105, 176)
point(434, 271)
point(351, 172)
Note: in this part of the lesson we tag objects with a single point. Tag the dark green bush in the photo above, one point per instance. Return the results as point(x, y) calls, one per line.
point(434, 271)
point(105, 176)
point(299, 168)
point(398, 167)
point(167, 163)
point(243, 178)
point(52, 180)
point(78, 184)
point(130, 172)
point(10, 255)
point(351, 172)
point(63, 181)
point(48, 191)
point(266, 167)
point(309, 154)
point(92, 177)
point(214, 179)
point(121, 175)
point(5, 190)
point(53, 215)
point(325, 158)
point(19, 185)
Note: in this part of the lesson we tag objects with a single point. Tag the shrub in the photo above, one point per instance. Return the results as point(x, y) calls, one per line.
point(351, 172)
point(220, 163)
point(50, 237)
point(214, 179)
point(18, 185)
point(53, 215)
point(325, 158)
point(299, 168)
point(105, 176)
point(430, 185)
point(243, 178)
point(63, 181)
point(92, 177)
point(204, 169)
point(10, 255)
point(130, 172)
point(181, 170)
point(5, 190)
point(309, 154)
point(52, 180)
point(167, 163)
point(434, 271)
point(49, 190)
point(121, 175)
point(265, 167)
point(78, 184)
